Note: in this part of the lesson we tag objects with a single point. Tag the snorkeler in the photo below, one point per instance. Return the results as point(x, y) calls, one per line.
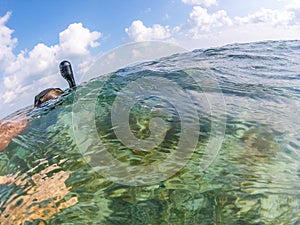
point(51, 93)
point(11, 128)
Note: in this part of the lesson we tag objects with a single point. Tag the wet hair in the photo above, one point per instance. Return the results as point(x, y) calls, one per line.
point(46, 95)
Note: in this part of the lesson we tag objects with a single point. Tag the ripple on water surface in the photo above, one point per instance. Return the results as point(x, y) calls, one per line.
point(254, 179)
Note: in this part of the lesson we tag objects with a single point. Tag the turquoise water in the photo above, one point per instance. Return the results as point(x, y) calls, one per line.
point(54, 172)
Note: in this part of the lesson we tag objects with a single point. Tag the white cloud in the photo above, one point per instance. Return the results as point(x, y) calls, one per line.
point(295, 4)
point(294, 8)
point(29, 72)
point(202, 22)
point(218, 28)
point(139, 32)
point(269, 16)
point(240, 34)
point(76, 39)
point(201, 2)
point(204, 29)
point(7, 43)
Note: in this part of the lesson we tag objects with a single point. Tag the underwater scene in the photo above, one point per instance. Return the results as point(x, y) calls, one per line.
point(210, 136)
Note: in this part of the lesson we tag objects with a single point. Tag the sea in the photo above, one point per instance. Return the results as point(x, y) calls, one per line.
point(210, 136)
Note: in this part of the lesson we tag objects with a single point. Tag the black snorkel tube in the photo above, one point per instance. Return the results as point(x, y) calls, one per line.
point(67, 73)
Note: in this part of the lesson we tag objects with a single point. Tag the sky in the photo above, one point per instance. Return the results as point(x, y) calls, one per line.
point(36, 35)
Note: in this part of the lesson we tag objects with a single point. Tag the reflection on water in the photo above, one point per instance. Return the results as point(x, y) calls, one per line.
point(35, 197)
point(254, 180)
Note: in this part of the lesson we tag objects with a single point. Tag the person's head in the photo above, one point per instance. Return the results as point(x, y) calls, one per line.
point(52, 93)
point(46, 95)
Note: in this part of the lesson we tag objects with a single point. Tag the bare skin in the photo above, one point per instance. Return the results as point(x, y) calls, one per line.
point(11, 128)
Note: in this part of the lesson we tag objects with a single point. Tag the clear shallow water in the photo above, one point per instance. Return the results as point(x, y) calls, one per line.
point(255, 178)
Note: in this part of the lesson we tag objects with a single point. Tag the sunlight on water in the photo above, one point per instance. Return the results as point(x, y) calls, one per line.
point(255, 179)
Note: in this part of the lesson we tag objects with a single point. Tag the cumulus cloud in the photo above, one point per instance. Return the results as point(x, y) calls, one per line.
point(201, 2)
point(270, 16)
point(201, 21)
point(139, 32)
point(76, 39)
point(294, 8)
point(7, 43)
point(214, 28)
point(29, 72)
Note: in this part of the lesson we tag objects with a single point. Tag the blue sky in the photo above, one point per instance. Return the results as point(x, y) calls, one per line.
point(36, 35)
point(35, 21)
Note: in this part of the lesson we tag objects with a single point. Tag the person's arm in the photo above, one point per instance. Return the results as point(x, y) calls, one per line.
point(11, 128)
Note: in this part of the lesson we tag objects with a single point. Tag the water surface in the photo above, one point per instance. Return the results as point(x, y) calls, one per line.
point(255, 178)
